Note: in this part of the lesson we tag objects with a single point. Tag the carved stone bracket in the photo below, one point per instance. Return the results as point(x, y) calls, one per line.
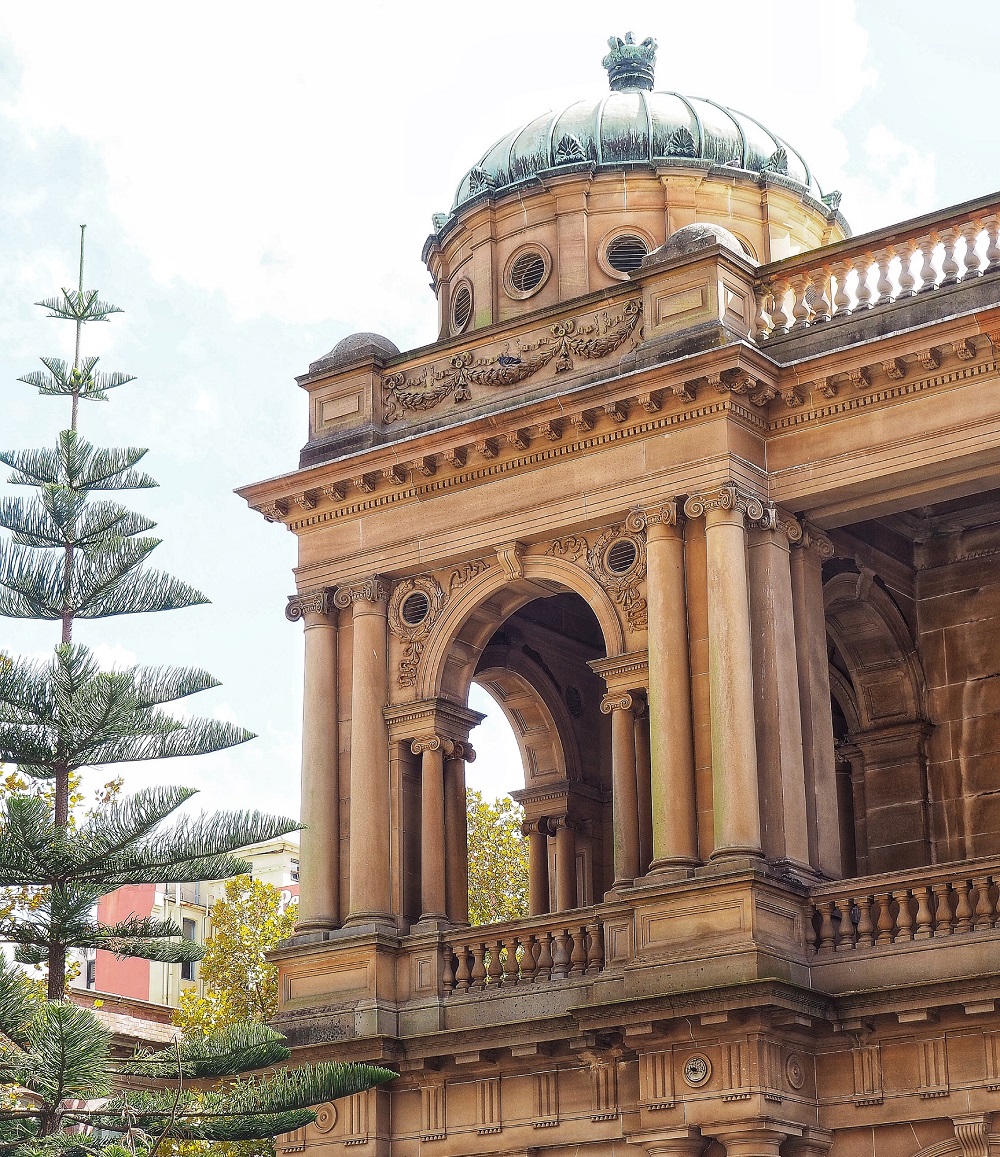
point(972, 1133)
point(511, 555)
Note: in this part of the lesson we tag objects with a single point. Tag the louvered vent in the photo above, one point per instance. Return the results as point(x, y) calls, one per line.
point(461, 308)
point(415, 609)
point(527, 271)
point(626, 252)
point(621, 557)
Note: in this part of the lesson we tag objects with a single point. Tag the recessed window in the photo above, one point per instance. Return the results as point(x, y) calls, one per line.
point(461, 307)
point(527, 272)
point(621, 556)
point(416, 607)
point(625, 252)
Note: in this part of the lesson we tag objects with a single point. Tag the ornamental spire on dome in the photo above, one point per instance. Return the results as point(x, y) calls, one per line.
point(630, 65)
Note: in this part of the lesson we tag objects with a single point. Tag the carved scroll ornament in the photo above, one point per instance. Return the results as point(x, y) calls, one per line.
point(595, 336)
point(413, 635)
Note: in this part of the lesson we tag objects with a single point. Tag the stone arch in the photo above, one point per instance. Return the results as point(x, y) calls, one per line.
point(876, 681)
point(479, 605)
point(536, 713)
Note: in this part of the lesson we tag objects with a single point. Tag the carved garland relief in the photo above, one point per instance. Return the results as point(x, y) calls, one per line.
point(413, 610)
point(617, 559)
point(594, 336)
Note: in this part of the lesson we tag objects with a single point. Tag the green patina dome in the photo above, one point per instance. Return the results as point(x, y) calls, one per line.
point(633, 125)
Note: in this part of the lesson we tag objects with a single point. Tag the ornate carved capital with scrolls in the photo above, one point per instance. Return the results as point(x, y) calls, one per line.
point(541, 827)
point(463, 749)
point(432, 743)
point(319, 602)
point(667, 514)
point(812, 538)
point(618, 701)
point(373, 590)
point(728, 497)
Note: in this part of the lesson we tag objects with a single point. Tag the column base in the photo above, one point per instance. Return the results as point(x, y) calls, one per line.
point(431, 924)
point(362, 922)
point(316, 924)
point(732, 860)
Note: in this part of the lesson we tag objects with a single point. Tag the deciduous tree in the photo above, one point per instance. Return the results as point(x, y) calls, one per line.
point(498, 859)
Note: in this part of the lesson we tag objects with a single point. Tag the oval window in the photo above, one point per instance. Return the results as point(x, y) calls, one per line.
point(625, 252)
point(461, 308)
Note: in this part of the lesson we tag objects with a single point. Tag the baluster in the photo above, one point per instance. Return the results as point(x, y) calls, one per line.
point(885, 923)
point(866, 930)
point(510, 960)
point(448, 976)
point(800, 307)
point(578, 959)
point(992, 225)
point(595, 948)
point(478, 978)
point(820, 298)
point(984, 906)
point(949, 266)
point(963, 909)
point(762, 315)
point(864, 294)
point(543, 968)
point(971, 260)
point(884, 285)
point(845, 925)
point(904, 918)
point(928, 274)
point(779, 319)
point(494, 970)
point(942, 910)
point(463, 974)
point(925, 918)
point(827, 932)
point(906, 279)
point(527, 962)
point(841, 298)
point(560, 955)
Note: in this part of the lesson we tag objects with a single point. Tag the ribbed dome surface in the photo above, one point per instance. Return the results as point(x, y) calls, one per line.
point(635, 126)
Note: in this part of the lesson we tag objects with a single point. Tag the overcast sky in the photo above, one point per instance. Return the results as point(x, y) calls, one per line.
point(258, 181)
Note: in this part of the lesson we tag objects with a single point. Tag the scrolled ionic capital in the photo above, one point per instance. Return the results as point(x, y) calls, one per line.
point(319, 602)
point(539, 827)
point(432, 743)
point(463, 749)
point(373, 590)
point(728, 497)
point(812, 538)
point(564, 821)
point(618, 701)
point(668, 513)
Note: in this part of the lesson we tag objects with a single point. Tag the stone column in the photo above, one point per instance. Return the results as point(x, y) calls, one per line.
point(433, 897)
point(735, 800)
point(680, 1141)
point(319, 873)
point(785, 833)
point(673, 800)
point(751, 1139)
point(643, 787)
point(370, 836)
point(537, 833)
point(814, 698)
point(566, 897)
point(456, 833)
point(624, 804)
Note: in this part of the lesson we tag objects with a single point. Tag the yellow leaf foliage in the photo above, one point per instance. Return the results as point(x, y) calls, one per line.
point(498, 860)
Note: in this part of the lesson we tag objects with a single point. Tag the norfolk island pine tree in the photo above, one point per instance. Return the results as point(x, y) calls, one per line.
point(67, 557)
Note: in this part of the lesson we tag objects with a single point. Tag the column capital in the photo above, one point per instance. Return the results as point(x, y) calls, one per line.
point(667, 513)
point(729, 497)
point(563, 821)
point(372, 590)
point(318, 602)
point(618, 701)
point(540, 827)
point(462, 749)
point(812, 538)
point(432, 743)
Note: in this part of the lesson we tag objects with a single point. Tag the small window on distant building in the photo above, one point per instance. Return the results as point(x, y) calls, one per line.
point(187, 966)
point(295, 871)
point(92, 972)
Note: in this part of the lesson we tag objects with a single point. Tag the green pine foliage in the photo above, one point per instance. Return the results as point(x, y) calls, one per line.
point(69, 555)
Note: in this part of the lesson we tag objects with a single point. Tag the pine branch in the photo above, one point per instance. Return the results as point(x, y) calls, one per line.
point(78, 305)
point(63, 379)
point(78, 464)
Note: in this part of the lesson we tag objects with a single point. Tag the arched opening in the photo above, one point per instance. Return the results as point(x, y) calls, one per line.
point(880, 731)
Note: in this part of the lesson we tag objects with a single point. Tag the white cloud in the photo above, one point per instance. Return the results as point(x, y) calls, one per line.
point(896, 182)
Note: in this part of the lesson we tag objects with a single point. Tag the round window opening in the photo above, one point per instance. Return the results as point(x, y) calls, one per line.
point(416, 607)
point(621, 556)
point(461, 308)
point(625, 253)
point(527, 271)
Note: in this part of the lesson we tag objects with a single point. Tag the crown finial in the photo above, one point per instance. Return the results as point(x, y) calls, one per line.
point(630, 65)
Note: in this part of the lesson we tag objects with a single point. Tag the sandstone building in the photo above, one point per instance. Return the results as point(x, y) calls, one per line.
point(704, 491)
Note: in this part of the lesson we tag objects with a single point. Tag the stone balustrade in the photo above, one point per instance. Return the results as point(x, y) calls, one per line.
point(875, 269)
point(873, 912)
point(537, 951)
